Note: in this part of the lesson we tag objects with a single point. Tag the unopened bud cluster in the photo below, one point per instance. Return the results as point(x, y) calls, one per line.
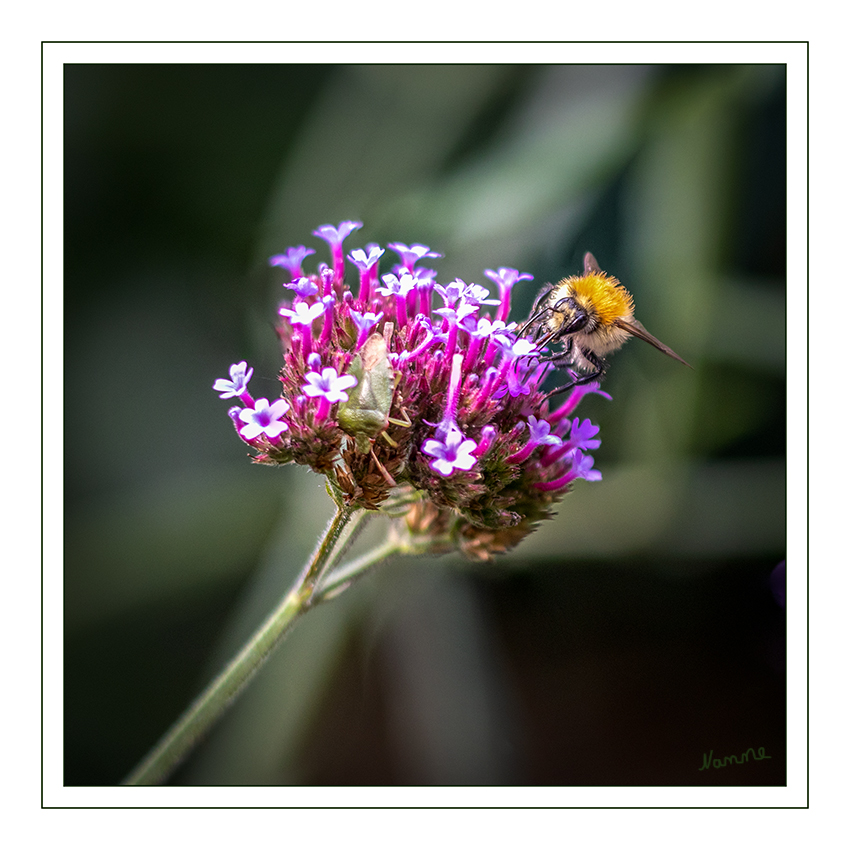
point(407, 383)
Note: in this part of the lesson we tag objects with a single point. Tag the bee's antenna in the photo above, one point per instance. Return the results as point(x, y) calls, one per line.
point(532, 319)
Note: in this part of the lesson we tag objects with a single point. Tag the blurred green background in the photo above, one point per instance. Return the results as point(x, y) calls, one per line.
point(615, 646)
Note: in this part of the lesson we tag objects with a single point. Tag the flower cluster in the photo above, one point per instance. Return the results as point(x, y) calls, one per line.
point(408, 384)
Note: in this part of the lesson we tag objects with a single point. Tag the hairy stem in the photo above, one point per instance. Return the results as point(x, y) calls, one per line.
point(202, 714)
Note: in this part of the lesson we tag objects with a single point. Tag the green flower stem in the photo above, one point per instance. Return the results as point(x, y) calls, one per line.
point(211, 704)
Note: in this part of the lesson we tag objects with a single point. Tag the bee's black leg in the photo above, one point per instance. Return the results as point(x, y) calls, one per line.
point(599, 369)
point(583, 379)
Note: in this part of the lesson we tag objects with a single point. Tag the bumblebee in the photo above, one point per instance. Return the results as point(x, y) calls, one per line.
point(591, 315)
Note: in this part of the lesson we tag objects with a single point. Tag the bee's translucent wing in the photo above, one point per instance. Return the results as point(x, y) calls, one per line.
point(590, 264)
point(635, 328)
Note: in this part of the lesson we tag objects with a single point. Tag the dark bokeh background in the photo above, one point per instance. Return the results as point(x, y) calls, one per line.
point(618, 644)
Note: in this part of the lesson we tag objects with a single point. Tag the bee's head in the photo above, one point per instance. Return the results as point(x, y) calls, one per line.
point(570, 312)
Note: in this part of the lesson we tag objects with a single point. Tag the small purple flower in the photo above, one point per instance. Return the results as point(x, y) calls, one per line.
point(364, 322)
point(454, 452)
point(505, 279)
point(329, 388)
point(400, 288)
point(477, 295)
point(582, 466)
point(335, 235)
point(451, 291)
point(304, 314)
point(485, 327)
point(452, 322)
point(409, 256)
point(521, 347)
point(488, 437)
point(539, 432)
point(240, 374)
point(292, 260)
point(448, 423)
point(328, 385)
point(367, 264)
point(431, 338)
point(424, 276)
point(457, 315)
point(365, 261)
point(303, 287)
point(538, 435)
point(397, 285)
point(264, 418)
point(581, 435)
point(512, 353)
point(581, 438)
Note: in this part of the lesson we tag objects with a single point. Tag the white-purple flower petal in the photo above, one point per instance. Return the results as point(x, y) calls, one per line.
point(454, 453)
point(292, 259)
point(335, 235)
point(397, 285)
point(240, 374)
point(410, 255)
point(365, 261)
point(364, 322)
point(328, 385)
point(539, 432)
point(264, 418)
point(303, 313)
point(451, 291)
point(582, 433)
point(582, 467)
point(303, 287)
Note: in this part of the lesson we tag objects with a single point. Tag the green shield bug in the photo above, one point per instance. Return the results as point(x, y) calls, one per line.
point(366, 414)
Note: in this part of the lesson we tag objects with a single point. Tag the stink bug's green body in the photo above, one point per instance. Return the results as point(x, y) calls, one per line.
point(367, 411)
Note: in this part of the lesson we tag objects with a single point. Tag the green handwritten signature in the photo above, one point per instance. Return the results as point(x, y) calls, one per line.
point(708, 761)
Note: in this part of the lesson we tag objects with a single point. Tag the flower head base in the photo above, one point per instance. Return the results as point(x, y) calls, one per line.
point(384, 391)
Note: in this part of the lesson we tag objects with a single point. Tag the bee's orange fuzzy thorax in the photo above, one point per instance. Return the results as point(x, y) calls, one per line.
point(602, 295)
